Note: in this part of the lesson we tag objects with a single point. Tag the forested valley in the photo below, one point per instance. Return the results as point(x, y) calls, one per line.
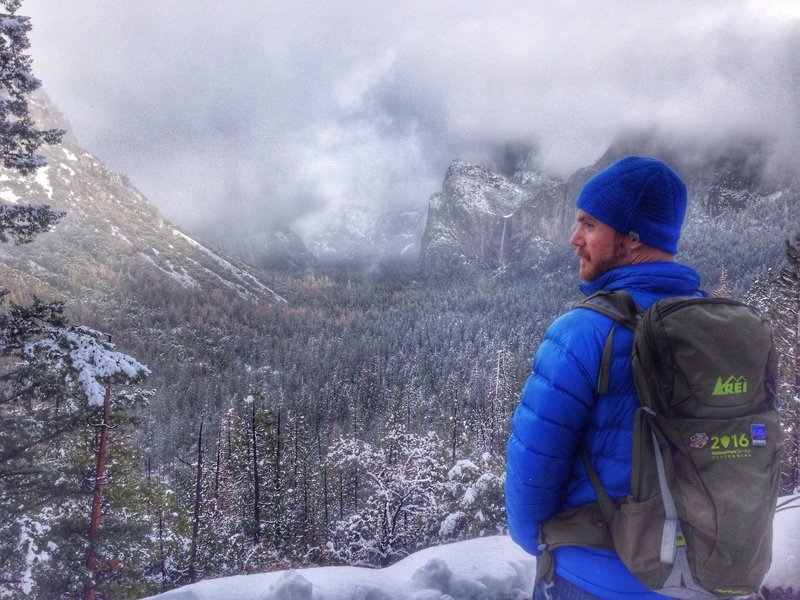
point(364, 418)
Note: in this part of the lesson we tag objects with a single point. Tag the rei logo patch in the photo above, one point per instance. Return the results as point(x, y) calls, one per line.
point(732, 385)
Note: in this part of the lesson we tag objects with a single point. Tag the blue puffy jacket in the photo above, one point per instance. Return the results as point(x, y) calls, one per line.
point(560, 412)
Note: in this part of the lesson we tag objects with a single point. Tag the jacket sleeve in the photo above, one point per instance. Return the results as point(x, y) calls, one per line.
point(548, 424)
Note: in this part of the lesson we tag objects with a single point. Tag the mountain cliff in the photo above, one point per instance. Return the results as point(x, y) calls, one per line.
point(483, 220)
point(109, 230)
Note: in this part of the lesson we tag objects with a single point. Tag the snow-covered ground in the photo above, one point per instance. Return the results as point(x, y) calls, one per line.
point(491, 568)
point(486, 568)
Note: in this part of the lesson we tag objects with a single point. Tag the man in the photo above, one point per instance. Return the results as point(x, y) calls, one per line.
point(627, 229)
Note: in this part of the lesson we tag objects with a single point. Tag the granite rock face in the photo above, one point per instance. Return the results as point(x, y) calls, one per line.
point(484, 220)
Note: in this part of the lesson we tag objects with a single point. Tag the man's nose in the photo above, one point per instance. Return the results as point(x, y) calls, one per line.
point(575, 239)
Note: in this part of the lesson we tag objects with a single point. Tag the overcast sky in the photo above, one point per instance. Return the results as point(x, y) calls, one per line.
point(284, 110)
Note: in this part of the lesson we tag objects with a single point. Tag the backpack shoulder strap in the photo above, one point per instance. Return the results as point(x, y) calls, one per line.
point(589, 525)
point(619, 307)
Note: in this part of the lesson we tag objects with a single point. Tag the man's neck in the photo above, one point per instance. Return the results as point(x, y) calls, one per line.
point(645, 254)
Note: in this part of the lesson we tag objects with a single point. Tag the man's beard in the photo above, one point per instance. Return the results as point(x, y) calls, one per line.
point(600, 266)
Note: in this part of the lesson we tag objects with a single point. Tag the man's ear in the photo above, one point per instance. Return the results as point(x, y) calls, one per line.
point(633, 244)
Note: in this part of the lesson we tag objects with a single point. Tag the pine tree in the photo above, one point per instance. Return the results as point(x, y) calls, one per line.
point(166, 542)
point(52, 376)
point(55, 377)
point(226, 538)
point(493, 418)
point(473, 499)
point(56, 518)
point(723, 289)
point(19, 138)
point(242, 517)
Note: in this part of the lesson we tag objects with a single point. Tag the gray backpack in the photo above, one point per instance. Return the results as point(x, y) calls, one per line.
point(706, 451)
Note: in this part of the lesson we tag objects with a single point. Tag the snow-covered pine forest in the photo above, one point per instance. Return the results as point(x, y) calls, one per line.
point(338, 416)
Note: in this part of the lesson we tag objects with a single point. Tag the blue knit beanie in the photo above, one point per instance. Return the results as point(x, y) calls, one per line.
point(641, 197)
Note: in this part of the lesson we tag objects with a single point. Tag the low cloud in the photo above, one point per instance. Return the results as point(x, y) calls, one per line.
point(284, 113)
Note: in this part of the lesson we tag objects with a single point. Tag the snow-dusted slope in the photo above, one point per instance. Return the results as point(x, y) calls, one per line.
point(109, 229)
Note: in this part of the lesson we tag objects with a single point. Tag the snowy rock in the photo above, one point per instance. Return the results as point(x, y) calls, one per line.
point(490, 568)
point(435, 574)
point(291, 586)
point(430, 595)
point(785, 569)
point(268, 249)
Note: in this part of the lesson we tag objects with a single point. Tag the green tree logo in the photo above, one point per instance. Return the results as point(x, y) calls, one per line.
point(732, 385)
